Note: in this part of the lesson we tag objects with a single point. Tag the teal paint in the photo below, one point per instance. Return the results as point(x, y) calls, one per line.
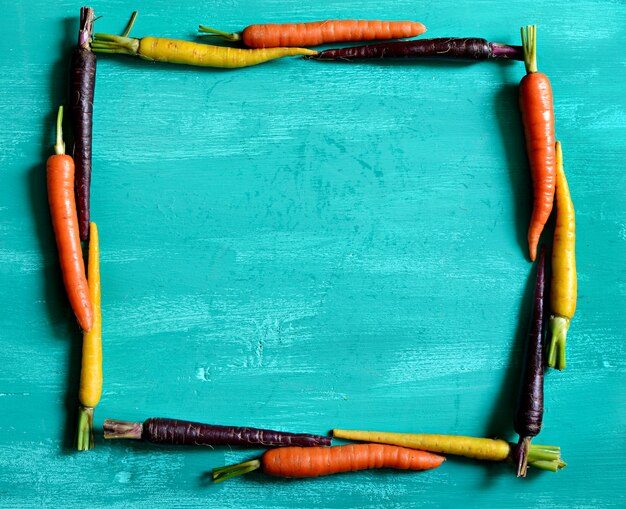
point(305, 246)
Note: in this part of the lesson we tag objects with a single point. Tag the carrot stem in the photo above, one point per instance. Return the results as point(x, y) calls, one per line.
point(230, 471)
point(521, 453)
point(556, 354)
point(545, 457)
point(86, 27)
point(536, 453)
point(529, 44)
point(130, 24)
point(227, 36)
point(59, 146)
point(552, 466)
point(108, 43)
point(84, 438)
point(122, 429)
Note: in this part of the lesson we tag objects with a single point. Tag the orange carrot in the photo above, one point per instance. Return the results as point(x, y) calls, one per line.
point(319, 32)
point(316, 461)
point(60, 178)
point(535, 96)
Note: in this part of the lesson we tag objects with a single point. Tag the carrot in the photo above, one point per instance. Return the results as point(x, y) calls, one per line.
point(159, 430)
point(463, 48)
point(91, 367)
point(529, 414)
point(60, 182)
point(175, 51)
point(535, 98)
point(545, 457)
point(317, 461)
point(564, 285)
point(318, 32)
point(82, 86)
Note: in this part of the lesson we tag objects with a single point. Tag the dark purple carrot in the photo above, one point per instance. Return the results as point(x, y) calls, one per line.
point(174, 432)
point(529, 414)
point(465, 48)
point(82, 85)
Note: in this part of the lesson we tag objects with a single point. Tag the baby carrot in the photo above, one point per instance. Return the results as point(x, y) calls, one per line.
point(159, 430)
point(564, 285)
point(272, 35)
point(91, 367)
point(535, 98)
point(317, 461)
point(462, 48)
point(190, 53)
point(175, 51)
point(545, 457)
point(82, 86)
point(60, 183)
point(529, 414)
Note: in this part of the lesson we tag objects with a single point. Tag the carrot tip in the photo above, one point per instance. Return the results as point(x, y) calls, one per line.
point(86, 323)
point(532, 247)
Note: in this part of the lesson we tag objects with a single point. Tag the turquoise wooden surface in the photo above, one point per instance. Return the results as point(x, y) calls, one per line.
point(305, 246)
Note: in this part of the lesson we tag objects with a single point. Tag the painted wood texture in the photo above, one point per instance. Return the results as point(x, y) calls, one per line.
point(305, 246)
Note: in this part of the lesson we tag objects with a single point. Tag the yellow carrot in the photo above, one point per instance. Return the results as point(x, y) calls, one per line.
point(563, 289)
point(478, 448)
point(91, 366)
point(541, 456)
point(190, 53)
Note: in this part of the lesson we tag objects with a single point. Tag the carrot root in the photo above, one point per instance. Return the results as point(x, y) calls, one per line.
point(545, 457)
point(301, 462)
point(60, 173)
point(272, 35)
point(82, 84)
point(471, 447)
point(564, 287)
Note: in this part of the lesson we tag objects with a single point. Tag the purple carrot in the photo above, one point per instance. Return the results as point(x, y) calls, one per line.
point(529, 414)
point(174, 432)
point(82, 86)
point(468, 48)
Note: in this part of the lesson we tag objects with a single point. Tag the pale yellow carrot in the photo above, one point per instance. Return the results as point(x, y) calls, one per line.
point(478, 448)
point(91, 366)
point(176, 51)
point(545, 457)
point(564, 284)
